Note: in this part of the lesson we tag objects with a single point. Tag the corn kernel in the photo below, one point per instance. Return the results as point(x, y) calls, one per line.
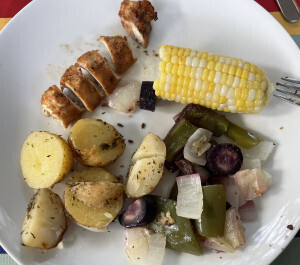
point(241, 109)
point(178, 98)
point(250, 85)
point(214, 105)
point(231, 102)
point(245, 74)
point(193, 72)
point(251, 76)
point(162, 66)
point(168, 49)
point(224, 90)
point(241, 63)
point(186, 82)
point(225, 68)
point(166, 57)
point(247, 67)
point(183, 92)
point(240, 103)
point(175, 69)
point(202, 94)
point(211, 87)
point(203, 55)
point(196, 94)
point(237, 93)
point(205, 74)
point(156, 84)
point(210, 57)
point(167, 95)
point(187, 71)
point(199, 73)
point(234, 62)
point(236, 82)
point(173, 96)
point(181, 60)
point(222, 59)
point(228, 61)
point(258, 77)
point(218, 67)
point(192, 84)
point(162, 50)
point(253, 68)
point(232, 70)
point(174, 59)
point(204, 85)
point(224, 79)
point(198, 85)
point(193, 53)
point(188, 60)
point(263, 85)
point(239, 72)
point(173, 88)
point(215, 98)
point(196, 101)
point(181, 52)
point(243, 83)
point(189, 100)
point(211, 75)
point(163, 77)
point(169, 67)
point(258, 102)
point(180, 81)
point(249, 103)
point(230, 80)
point(218, 89)
point(232, 108)
point(257, 109)
point(244, 93)
point(174, 51)
point(208, 104)
point(196, 61)
point(252, 94)
point(229, 94)
point(203, 63)
point(260, 94)
point(187, 52)
point(174, 80)
point(256, 85)
point(217, 57)
point(211, 65)
point(157, 93)
point(183, 100)
point(222, 100)
point(181, 70)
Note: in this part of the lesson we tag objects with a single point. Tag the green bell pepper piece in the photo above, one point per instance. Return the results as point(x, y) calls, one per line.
point(177, 138)
point(212, 221)
point(241, 136)
point(205, 118)
point(178, 230)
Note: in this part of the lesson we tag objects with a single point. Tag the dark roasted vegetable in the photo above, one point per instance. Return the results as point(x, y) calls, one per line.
point(140, 213)
point(147, 96)
point(224, 159)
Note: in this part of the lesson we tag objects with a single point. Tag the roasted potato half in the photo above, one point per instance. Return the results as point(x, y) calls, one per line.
point(147, 167)
point(46, 159)
point(95, 142)
point(84, 207)
point(45, 221)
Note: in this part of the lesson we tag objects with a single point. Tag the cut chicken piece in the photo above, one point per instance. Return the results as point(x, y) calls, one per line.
point(56, 104)
point(81, 86)
point(119, 51)
point(136, 18)
point(98, 67)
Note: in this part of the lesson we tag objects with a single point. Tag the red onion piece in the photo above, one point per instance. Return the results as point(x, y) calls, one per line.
point(248, 212)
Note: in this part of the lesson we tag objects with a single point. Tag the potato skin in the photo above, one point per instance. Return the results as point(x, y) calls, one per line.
point(95, 142)
point(45, 221)
point(46, 159)
point(94, 219)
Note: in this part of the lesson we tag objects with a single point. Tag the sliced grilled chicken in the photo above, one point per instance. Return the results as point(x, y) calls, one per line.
point(119, 51)
point(81, 86)
point(136, 18)
point(98, 67)
point(56, 104)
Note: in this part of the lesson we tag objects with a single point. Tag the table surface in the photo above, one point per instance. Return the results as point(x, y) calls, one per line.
point(291, 255)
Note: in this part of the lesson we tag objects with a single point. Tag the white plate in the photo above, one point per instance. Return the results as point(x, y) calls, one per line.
point(48, 36)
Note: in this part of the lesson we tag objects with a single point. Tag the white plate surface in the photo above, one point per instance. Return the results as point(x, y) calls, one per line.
point(48, 35)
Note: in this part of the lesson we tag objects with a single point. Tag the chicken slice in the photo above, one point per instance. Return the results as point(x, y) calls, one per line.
point(56, 104)
point(119, 51)
point(98, 67)
point(136, 18)
point(82, 87)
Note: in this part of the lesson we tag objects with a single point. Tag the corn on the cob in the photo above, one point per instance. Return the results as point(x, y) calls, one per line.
point(215, 81)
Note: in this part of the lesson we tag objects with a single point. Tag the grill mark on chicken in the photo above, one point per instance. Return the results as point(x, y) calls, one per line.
point(56, 104)
point(136, 17)
point(97, 66)
point(82, 87)
point(119, 51)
